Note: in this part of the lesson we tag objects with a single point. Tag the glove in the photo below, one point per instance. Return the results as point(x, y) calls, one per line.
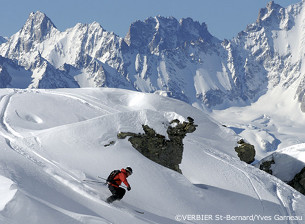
point(128, 188)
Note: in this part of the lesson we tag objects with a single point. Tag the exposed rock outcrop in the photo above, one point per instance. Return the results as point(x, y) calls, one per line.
point(266, 166)
point(245, 151)
point(298, 182)
point(166, 152)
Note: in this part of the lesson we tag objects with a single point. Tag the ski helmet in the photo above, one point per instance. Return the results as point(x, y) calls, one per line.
point(129, 170)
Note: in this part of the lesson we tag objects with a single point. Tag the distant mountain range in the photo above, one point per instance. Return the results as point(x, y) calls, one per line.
point(162, 55)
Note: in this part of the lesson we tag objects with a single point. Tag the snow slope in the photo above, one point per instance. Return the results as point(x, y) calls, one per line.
point(273, 122)
point(53, 139)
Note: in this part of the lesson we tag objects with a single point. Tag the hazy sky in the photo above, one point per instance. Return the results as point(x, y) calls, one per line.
point(225, 18)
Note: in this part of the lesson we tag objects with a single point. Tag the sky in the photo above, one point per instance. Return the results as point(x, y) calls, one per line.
point(224, 18)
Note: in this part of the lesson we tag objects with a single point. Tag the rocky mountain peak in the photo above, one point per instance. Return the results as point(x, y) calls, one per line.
point(37, 26)
point(161, 33)
point(271, 6)
point(193, 30)
point(272, 13)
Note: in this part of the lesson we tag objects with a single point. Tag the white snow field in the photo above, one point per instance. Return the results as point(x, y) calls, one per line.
point(275, 121)
point(51, 140)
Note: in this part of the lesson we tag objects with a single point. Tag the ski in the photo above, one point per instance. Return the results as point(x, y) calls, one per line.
point(107, 182)
point(124, 208)
point(102, 178)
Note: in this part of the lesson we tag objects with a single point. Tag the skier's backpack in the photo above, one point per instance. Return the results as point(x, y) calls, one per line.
point(112, 175)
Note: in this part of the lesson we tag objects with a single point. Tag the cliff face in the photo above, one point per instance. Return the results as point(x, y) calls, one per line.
point(298, 182)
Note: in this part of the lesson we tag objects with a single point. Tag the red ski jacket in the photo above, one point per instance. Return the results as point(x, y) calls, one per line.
point(119, 178)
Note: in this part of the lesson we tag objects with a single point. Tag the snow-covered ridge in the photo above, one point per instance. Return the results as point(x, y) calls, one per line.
point(47, 150)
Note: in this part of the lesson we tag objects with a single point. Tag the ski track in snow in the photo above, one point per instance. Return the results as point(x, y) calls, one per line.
point(286, 202)
point(27, 150)
point(282, 201)
point(81, 217)
point(9, 134)
point(85, 101)
point(212, 154)
point(4, 101)
point(12, 136)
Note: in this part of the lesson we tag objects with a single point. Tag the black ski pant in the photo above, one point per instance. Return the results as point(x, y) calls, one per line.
point(117, 193)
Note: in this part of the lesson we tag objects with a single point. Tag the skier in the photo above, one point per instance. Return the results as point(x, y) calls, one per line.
point(114, 183)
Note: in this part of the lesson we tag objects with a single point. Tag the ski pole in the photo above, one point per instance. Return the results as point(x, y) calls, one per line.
point(95, 181)
point(106, 182)
point(102, 178)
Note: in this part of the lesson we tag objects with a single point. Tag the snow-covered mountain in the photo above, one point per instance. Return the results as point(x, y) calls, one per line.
point(64, 59)
point(48, 150)
point(272, 48)
point(178, 58)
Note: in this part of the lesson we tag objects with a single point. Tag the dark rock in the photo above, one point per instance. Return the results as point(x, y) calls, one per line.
point(110, 143)
point(266, 166)
point(245, 151)
point(157, 148)
point(298, 182)
point(241, 141)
